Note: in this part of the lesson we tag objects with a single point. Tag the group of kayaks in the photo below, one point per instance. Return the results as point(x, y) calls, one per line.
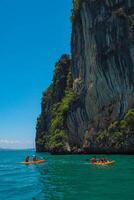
point(102, 163)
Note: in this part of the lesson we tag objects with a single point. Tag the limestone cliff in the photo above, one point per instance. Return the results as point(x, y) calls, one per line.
point(97, 119)
point(52, 130)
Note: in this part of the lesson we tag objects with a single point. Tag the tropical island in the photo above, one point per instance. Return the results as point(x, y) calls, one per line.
point(89, 107)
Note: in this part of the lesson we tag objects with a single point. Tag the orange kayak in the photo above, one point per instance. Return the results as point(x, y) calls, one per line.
point(33, 162)
point(104, 163)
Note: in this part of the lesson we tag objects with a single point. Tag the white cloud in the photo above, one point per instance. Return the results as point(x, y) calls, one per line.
point(5, 141)
point(15, 144)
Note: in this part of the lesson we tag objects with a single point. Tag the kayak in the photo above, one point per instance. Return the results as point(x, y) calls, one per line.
point(33, 162)
point(104, 163)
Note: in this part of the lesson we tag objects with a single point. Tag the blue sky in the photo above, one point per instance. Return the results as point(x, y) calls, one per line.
point(33, 35)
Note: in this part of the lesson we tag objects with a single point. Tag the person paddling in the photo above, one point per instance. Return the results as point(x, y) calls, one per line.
point(93, 160)
point(103, 159)
point(34, 158)
point(27, 159)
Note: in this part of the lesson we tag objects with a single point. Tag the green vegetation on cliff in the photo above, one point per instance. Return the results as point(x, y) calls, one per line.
point(58, 126)
point(118, 132)
point(56, 102)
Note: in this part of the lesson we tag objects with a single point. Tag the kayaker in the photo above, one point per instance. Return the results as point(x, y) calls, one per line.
point(34, 158)
point(27, 159)
point(93, 160)
point(103, 159)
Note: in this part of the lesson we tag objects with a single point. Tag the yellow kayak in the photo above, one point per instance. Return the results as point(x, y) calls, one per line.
point(104, 163)
point(33, 162)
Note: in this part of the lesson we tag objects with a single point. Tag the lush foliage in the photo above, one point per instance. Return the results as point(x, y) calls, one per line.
point(118, 131)
point(57, 140)
point(129, 118)
point(58, 127)
point(43, 140)
point(56, 102)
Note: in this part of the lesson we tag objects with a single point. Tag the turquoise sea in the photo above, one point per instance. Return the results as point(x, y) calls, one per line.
point(68, 177)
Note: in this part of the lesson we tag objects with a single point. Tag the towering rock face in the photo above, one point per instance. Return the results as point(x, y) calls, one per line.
point(102, 65)
point(103, 79)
